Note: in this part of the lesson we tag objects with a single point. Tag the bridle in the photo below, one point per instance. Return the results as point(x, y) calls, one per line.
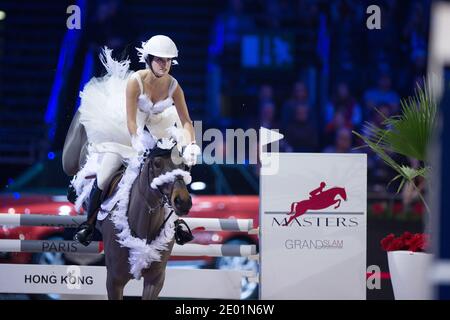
point(166, 199)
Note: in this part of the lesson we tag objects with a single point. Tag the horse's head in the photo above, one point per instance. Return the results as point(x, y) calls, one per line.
point(168, 175)
point(342, 193)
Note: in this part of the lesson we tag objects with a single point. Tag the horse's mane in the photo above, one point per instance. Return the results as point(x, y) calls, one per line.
point(158, 152)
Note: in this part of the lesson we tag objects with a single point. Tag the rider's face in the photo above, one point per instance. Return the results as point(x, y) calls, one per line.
point(161, 66)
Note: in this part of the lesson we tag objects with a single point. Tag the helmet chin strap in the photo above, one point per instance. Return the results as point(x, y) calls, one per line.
point(151, 67)
point(154, 73)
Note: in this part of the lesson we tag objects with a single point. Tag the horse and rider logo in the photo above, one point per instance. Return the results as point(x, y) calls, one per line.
point(318, 199)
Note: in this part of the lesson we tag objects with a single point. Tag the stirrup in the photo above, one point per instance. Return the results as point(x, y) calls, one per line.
point(84, 234)
point(182, 236)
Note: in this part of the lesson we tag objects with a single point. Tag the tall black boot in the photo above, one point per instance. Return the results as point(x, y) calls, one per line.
point(86, 229)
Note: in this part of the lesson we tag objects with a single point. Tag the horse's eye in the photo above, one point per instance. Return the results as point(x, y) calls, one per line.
point(157, 163)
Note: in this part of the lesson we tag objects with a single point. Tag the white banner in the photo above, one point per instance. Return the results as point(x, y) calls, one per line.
point(91, 280)
point(313, 227)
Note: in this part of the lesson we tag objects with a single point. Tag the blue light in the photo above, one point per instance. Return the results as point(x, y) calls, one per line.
point(65, 62)
point(16, 195)
point(10, 180)
point(51, 155)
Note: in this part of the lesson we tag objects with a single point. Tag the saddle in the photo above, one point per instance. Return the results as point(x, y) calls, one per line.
point(183, 233)
point(117, 176)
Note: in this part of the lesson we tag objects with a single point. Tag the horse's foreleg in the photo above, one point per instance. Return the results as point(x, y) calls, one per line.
point(153, 286)
point(114, 288)
point(154, 276)
point(339, 203)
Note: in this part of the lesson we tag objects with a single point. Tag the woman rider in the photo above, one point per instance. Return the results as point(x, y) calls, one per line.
point(115, 110)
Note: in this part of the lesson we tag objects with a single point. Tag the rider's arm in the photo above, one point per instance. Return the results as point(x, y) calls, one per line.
point(132, 93)
point(183, 113)
point(314, 192)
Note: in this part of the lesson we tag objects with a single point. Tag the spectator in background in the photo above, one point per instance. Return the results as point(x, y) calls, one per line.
point(346, 18)
point(265, 94)
point(337, 123)
point(265, 113)
point(344, 103)
point(343, 142)
point(308, 12)
point(382, 94)
point(377, 116)
point(267, 116)
point(419, 63)
point(299, 96)
point(382, 46)
point(379, 173)
point(229, 29)
point(301, 133)
point(414, 73)
point(225, 47)
point(276, 14)
point(415, 29)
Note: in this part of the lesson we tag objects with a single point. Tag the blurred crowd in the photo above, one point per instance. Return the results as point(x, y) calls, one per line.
point(368, 71)
point(360, 75)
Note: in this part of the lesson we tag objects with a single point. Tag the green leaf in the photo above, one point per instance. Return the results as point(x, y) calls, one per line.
point(409, 133)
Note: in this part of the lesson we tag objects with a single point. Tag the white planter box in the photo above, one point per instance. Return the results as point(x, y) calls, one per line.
point(409, 274)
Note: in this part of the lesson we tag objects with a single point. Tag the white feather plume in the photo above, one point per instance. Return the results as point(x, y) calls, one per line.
point(114, 67)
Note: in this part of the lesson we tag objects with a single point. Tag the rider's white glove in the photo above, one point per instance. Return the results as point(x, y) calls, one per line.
point(190, 153)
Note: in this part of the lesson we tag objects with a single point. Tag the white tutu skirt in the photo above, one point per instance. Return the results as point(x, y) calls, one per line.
point(103, 107)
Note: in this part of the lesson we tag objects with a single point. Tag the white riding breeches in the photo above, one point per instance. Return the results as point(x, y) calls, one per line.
point(110, 163)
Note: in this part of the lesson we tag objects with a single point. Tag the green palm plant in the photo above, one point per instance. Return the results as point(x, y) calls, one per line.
point(407, 134)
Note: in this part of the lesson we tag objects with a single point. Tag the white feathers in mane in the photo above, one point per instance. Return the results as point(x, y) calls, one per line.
point(141, 254)
point(170, 177)
point(165, 143)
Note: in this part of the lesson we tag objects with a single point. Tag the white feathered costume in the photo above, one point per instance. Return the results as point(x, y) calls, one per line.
point(103, 115)
point(103, 110)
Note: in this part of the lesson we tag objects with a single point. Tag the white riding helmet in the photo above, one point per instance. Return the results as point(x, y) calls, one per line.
point(158, 46)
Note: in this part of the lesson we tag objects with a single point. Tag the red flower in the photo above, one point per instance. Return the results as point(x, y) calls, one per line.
point(397, 244)
point(407, 241)
point(386, 242)
point(418, 242)
point(407, 235)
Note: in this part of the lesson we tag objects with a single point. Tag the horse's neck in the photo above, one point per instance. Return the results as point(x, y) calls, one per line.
point(145, 215)
point(150, 196)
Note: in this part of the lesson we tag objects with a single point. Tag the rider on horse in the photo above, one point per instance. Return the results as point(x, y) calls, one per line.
point(317, 191)
point(115, 111)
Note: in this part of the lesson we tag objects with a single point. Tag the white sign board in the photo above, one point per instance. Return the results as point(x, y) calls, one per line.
point(91, 280)
point(319, 250)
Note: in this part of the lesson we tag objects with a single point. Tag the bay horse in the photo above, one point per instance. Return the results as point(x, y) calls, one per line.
point(323, 200)
point(146, 216)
